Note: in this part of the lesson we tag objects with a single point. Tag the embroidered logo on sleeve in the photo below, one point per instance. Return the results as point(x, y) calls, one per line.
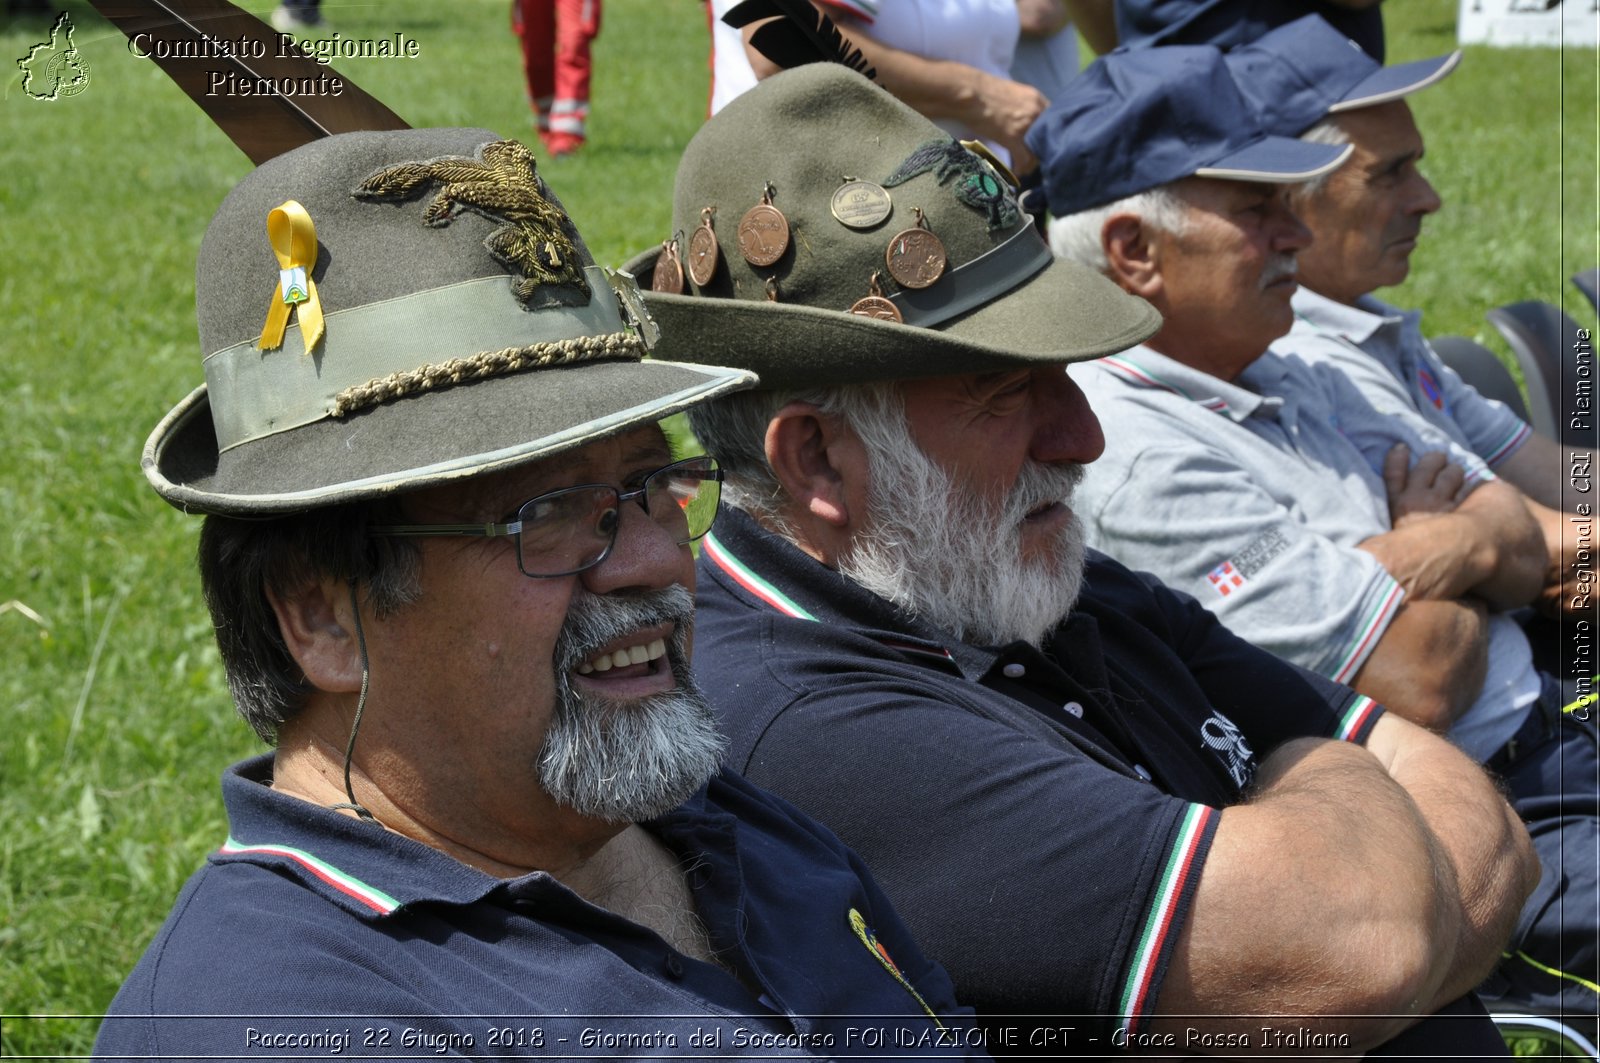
point(1232, 574)
point(1224, 578)
point(1430, 389)
point(1223, 735)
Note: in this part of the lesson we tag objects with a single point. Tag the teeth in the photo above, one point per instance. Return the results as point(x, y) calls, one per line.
point(628, 655)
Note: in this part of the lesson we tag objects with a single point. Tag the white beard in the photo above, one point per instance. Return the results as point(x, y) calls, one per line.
point(945, 555)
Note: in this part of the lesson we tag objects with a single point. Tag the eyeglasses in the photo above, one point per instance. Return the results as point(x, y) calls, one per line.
point(560, 533)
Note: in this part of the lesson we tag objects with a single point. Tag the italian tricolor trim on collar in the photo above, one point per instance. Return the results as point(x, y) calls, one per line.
point(1178, 879)
point(1128, 371)
point(349, 885)
point(746, 577)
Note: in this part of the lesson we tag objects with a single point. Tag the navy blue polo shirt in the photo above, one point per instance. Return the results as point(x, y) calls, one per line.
point(1040, 818)
point(312, 933)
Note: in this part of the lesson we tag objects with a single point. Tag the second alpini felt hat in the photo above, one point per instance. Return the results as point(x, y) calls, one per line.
point(826, 233)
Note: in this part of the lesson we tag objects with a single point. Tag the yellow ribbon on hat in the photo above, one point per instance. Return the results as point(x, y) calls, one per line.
point(294, 241)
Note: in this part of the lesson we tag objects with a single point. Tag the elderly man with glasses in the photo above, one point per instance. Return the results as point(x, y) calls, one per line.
point(447, 555)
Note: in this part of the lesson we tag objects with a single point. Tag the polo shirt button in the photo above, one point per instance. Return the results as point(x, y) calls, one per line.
point(1142, 771)
point(1014, 671)
point(1074, 708)
point(674, 965)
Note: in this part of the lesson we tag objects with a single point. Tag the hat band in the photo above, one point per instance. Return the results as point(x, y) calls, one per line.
point(255, 393)
point(976, 282)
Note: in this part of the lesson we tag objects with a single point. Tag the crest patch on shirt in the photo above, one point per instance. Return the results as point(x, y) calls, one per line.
point(1232, 574)
point(1430, 388)
point(1224, 579)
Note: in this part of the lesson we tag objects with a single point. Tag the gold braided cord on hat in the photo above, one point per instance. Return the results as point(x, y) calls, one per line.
point(617, 346)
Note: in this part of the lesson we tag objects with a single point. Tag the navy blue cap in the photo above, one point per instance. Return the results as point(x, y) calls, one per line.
point(1134, 120)
point(1301, 72)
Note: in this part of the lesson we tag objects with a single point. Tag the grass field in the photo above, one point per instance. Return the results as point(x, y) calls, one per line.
point(116, 721)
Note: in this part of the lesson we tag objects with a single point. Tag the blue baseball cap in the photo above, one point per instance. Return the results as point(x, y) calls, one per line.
point(1134, 120)
point(1305, 70)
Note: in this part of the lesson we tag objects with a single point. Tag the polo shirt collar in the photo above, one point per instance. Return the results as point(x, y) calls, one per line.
point(772, 573)
point(372, 872)
point(1145, 368)
point(1358, 323)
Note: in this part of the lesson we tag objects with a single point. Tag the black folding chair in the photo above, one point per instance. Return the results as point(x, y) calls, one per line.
point(1588, 282)
point(1478, 366)
point(1546, 345)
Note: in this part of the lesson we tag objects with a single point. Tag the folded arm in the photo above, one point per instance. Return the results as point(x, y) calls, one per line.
point(1488, 544)
point(1409, 872)
point(1429, 663)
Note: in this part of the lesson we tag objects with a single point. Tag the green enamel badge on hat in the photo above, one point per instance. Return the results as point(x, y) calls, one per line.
point(976, 185)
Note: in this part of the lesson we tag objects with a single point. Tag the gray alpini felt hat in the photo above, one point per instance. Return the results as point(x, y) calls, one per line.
point(464, 329)
point(820, 131)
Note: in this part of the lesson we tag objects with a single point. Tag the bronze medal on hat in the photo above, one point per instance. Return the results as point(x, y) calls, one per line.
point(703, 254)
point(668, 274)
point(763, 231)
point(860, 204)
point(875, 304)
point(916, 257)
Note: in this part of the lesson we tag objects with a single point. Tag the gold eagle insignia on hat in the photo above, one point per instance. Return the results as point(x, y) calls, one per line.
point(503, 185)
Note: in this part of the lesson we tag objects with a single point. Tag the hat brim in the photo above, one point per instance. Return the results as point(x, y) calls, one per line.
point(421, 440)
point(1393, 82)
point(1059, 315)
point(1278, 160)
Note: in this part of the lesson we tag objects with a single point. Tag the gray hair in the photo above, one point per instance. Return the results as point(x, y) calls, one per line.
point(733, 429)
point(240, 560)
point(1327, 131)
point(1079, 237)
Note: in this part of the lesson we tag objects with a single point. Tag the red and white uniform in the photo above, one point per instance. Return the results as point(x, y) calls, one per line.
point(556, 36)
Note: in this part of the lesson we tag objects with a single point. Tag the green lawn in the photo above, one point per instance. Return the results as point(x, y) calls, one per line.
point(116, 721)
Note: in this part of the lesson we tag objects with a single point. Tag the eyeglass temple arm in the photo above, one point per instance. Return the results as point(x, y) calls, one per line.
point(408, 530)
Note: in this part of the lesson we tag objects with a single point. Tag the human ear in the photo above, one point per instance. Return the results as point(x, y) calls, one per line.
point(1133, 258)
point(807, 452)
point(316, 621)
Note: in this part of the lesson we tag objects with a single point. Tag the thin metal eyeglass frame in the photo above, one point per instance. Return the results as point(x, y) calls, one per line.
point(708, 466)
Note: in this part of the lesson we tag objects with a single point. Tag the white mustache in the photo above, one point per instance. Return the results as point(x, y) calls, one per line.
point(1279, 267)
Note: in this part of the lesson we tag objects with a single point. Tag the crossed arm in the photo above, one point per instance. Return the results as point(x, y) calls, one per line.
point(1408, 874)
point(1451, 559)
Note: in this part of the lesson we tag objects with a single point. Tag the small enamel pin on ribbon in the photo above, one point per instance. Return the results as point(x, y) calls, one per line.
point(294, 241)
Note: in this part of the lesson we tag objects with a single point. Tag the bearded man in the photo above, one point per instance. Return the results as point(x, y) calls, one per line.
point(447, 556)
point(1088, 798)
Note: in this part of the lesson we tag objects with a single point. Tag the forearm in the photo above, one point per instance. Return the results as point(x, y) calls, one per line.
point(1430, 662)
point(1561, 593)
point(1493, 860)
point(1455, 554)
point(995, 108)
point(1324, 896)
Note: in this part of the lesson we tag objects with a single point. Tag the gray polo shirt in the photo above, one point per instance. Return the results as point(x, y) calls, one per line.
point(1383, 352)
point(1253, 495)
